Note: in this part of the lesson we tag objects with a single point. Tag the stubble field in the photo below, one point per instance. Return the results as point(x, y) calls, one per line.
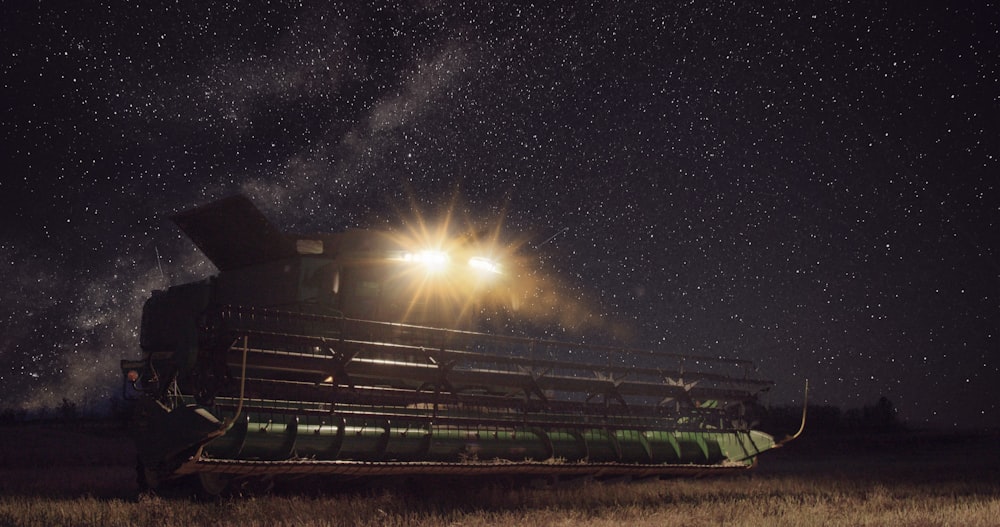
point(83, 474)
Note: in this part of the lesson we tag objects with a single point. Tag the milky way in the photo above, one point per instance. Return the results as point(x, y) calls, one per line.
point(810, 187)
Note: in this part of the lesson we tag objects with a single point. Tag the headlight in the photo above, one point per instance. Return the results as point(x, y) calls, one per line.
point(432, 260)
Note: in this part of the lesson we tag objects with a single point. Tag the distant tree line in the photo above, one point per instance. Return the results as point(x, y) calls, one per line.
point(68, 411)
point(878, 417)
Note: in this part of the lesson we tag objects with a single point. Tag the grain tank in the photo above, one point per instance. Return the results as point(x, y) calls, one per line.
point(356, 354)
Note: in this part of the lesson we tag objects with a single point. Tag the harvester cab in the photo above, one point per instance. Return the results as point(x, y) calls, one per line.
point(357, 273)
point(356, 354)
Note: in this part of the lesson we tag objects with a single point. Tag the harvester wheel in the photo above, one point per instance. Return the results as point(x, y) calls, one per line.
point(213, 484)
point(147, 478)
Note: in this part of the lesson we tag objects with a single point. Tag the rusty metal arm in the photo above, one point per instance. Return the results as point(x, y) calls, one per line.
point(229, 422)
point(802, 426)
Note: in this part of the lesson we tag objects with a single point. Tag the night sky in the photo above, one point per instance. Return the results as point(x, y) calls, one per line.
point(810, 185)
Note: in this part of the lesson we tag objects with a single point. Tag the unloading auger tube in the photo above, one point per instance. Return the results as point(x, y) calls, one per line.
point(328, 354)
point(295, 393)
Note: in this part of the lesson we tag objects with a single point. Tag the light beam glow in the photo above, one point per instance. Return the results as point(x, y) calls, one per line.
point(483, 264)
point(433, 261)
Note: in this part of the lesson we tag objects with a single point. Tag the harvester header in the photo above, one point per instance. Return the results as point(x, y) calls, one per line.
point(357, 354)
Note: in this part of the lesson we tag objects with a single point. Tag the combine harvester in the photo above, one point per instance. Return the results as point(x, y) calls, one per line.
point(346, 355)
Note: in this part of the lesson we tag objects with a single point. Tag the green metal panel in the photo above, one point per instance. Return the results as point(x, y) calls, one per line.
point(743, 446)
point(691, 447)
point(713, 451)
point(365, 439)
point(407, 441)
point(567, 445)
point(602, 447)
point(634, 446)
point(460, 444)
point(318, 439)
point(270, 437)
point(663, 446)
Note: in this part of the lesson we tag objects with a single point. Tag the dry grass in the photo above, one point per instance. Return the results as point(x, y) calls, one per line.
point(922, 483)
point(761, 501)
